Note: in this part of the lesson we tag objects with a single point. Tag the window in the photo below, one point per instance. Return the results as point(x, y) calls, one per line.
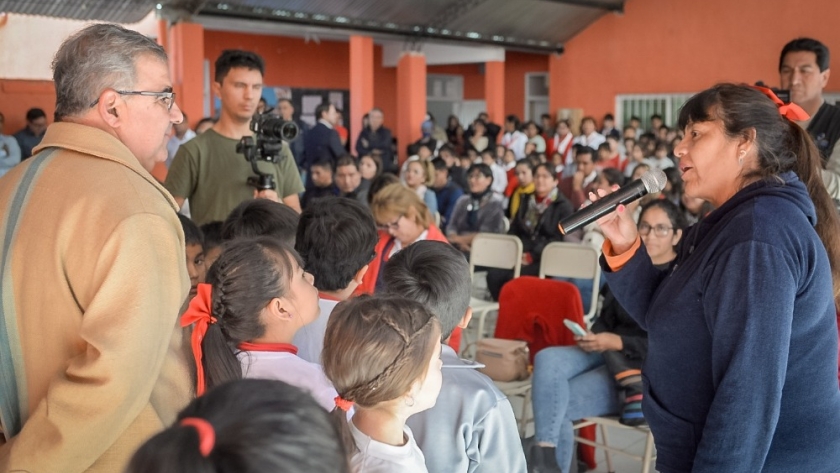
point(645, 105)
point(536, 95)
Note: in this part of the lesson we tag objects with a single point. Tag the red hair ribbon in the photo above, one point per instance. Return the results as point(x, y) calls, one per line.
point(199, 313)
point(342, 403)
point(206, 434)
point(791, 111)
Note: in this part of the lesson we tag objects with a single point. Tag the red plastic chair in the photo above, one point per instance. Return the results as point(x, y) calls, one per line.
point(533, 310)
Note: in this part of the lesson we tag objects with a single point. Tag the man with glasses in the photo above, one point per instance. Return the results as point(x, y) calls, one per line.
point(208, 171)
point(92, 261)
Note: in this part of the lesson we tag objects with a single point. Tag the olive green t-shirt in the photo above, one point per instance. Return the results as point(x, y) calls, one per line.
point(209, 172)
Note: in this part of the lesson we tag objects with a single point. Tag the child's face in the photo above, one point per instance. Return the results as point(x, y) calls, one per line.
point(367, 166)
point(195, 266)
point(426, 390)
point(303, 296)
point(321, 177)
point(210, 257)
point(414, 175)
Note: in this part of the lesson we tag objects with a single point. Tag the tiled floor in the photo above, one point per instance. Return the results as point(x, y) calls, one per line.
point(625, 439)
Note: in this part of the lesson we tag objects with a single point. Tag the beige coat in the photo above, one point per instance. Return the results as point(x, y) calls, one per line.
point(98, 273)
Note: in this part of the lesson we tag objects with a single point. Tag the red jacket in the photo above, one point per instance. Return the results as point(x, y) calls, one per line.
point(383, 248)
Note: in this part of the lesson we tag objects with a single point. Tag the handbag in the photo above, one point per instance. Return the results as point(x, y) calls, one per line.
point(503, 360)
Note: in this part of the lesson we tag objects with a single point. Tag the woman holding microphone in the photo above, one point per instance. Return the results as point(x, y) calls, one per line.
point(741, 368)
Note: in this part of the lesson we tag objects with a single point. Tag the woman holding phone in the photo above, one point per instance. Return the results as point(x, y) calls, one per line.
point(601, 375)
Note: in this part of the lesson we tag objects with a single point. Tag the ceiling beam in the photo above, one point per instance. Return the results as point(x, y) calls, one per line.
point(599, 4)
point(411, 33)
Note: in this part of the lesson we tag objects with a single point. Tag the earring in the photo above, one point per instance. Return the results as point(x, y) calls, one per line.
point(411, 398)
point(741, 158)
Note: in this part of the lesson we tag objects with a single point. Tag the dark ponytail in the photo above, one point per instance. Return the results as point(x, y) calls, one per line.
point(258, 425)
point(782, 146)
point(809, 169)
point(247, 275)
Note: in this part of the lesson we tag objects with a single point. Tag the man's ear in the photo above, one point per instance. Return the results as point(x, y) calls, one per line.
point(216, 87)
point(465, 320)
point(107, 108)
point(825, 75)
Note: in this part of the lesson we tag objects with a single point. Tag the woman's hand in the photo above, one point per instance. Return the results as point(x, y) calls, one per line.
point(619, 226)
point(600, 342)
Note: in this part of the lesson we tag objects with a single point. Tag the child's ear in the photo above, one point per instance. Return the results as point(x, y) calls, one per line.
point(276, 308)
point(360, 274)
point(465, 320)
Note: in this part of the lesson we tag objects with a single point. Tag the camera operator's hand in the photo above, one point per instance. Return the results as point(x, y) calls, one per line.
point(269, 194)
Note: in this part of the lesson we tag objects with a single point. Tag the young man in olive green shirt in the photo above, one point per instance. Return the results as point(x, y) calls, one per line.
point(208, 171)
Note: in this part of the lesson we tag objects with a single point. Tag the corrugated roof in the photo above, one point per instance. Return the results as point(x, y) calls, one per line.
point(525, 24)
point(540, 25)
point(117, 11)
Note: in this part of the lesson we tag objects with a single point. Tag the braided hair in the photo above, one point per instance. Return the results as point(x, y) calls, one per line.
point(247, 276)
point(375, 349)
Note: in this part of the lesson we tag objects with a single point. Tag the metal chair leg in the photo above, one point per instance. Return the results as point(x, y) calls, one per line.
point(606, 450)
point(648, 453)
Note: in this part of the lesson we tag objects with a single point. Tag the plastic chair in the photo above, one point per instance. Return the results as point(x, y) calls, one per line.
point(573, 260)
point(492, 250)
point(533, 310)
point(604, 422)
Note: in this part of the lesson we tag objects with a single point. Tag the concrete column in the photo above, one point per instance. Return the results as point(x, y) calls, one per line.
point(411, 99)
point(494, 90)
point(361, 83)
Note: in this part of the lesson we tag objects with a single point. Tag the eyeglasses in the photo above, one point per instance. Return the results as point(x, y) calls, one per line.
point(167, 98)
point(393, 225)
point(658, 230)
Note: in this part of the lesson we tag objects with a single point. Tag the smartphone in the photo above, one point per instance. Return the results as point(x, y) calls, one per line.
point(574, 327)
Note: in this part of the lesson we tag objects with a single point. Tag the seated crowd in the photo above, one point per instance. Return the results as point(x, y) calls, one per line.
point(285, 297)
point(324, 315)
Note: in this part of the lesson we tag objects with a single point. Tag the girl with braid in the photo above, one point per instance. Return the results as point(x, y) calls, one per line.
point(257, 298)
point(383, 357)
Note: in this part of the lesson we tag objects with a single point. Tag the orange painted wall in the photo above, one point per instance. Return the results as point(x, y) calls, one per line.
point(288, 61)
point(18, 96)
point(517, 64)
point(680, 46)
point(472, 74)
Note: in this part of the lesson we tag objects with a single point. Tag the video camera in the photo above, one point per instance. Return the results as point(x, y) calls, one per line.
point(270, 131)
point(783, 94)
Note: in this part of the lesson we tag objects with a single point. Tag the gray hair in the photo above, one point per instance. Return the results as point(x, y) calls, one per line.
point(94, 59)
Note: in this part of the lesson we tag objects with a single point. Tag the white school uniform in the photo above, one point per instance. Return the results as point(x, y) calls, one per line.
point(310, 338)
point(288, 367)
point(377, 457)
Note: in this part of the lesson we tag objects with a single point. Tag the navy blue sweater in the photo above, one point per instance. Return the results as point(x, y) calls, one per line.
point(740, 374)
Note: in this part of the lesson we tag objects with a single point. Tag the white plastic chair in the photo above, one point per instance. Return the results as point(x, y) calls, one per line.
point(521, 389)
point(573, 260)
point(603, 422)
point(492, 250)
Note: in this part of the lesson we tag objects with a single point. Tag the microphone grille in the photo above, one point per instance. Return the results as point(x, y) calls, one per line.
point(654, 180)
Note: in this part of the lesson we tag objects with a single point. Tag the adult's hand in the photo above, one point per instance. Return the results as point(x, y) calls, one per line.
point(600, 342)
point(619, 226)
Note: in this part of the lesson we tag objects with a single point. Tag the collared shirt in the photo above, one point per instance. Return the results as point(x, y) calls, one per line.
point(471, 428)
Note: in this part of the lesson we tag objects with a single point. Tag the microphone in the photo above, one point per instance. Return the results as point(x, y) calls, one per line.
point(651, 182)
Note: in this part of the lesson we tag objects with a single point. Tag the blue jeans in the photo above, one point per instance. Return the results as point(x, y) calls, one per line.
point(569, 384)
